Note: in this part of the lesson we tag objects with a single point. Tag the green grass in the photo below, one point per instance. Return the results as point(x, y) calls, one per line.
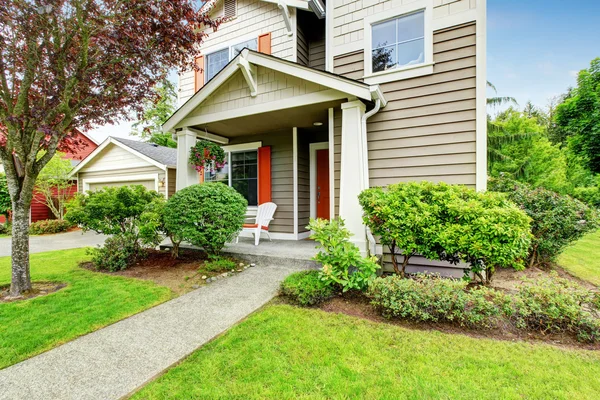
point(285, 352)
point(582, 259)
point(90, 301)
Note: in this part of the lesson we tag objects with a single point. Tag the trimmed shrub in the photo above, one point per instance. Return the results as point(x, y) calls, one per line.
point(5, 228)
point(218, 263)
point(152, 226)
point(429, 298)
point(556, 304)
point(448, 222)
point(342, 263)
point(49, 226)
point(589, 195)
point(306, 288)
point(207, 215)
point(558, 220)
point(118, 253)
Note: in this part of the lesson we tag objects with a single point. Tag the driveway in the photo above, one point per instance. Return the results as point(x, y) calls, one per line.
point(60, 241)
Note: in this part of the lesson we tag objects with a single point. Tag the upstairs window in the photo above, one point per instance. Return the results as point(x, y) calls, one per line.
point(217, 60)
point(399, 42)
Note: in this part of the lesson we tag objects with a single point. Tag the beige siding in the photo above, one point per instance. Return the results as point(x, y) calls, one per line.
point(172, 178)
point(115, 157)
point(254, 18)
point(348, 15)
point(303, 56)
point(427, 130)
point(303, 181)
point(109, 175)
point(282, 170)
point(272, 86)
point(317, 54)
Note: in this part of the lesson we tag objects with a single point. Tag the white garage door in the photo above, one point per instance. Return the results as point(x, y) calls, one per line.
point(148, 184)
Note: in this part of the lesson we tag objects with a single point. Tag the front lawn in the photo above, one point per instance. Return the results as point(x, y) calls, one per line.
point(582, 259)
point(286, 352)
point(88, 302)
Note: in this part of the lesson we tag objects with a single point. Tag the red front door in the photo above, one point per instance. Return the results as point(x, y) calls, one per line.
point(323, 184)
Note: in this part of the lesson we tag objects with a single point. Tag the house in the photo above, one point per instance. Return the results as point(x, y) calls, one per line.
point(315, 101)
point(120, 162)
point(39, 210)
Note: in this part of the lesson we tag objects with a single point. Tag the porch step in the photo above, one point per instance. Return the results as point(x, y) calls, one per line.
point(283, 253)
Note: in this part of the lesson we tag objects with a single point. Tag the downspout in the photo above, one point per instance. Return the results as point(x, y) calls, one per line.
point(365, 155)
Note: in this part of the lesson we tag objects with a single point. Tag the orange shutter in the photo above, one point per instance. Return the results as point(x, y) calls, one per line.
point(264, 174)
point(264, 43)
point(199, 81)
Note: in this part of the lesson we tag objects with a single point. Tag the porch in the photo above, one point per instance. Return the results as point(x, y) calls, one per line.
point(281, 126)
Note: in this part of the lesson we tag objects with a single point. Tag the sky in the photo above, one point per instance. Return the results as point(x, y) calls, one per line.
point(535, 49)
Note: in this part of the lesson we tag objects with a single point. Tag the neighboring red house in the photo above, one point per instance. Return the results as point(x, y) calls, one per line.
point(39, 210)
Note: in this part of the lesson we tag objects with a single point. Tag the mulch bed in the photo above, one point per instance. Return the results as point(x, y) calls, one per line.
point(180, 275)
point(38, 289)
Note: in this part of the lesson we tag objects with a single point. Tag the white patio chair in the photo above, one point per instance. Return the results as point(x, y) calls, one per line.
point(264, 215)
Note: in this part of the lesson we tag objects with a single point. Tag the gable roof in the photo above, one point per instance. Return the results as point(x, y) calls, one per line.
point(160, 156)
point(333, 81)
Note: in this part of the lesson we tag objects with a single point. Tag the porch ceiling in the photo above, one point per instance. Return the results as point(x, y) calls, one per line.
point(301, 117)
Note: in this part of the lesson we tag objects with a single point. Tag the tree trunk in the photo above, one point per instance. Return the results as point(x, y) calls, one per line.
point(21, 278)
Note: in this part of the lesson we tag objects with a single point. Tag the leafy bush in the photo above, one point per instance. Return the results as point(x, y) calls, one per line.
point(589, 195)
point(434, 299)
point(556, 304)
point(447, 222)
point(110, 211)
point(152, 226)
point(5, 228)
point(119, 252)
point(342, 263)
point(557, 219)
point(218, 263)
point(306, 288)
point(49, 226)
point(207, 215)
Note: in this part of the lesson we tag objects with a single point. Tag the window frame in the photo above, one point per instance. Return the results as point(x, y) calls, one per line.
point(407, 71)
point(229, 47)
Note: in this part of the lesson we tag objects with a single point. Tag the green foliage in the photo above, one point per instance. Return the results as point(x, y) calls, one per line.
point(448, 222)
point(207, 155)
point(5, 201)
point(152, 226)
point(156, 113)
point(54, 183)
point(49, 226)
point(207, 215)
point(112, 210)
point(216, 263)
point(589, 195)
point(342, 263)
point(556, 304)
point(119, 252)
point(557, 220)
point(306, 288)
point(579, 115)
point(5, 228)
point(429, 298)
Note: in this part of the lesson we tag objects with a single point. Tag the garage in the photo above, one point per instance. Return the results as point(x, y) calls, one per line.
point(122, 162)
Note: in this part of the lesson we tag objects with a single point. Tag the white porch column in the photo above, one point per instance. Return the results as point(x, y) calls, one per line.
point(186, 174)
point(352, 170)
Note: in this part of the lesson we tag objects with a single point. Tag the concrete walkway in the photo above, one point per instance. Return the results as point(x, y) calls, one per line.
point(60, 241)
point(115, 361)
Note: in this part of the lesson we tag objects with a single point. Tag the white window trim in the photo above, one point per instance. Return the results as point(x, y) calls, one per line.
point(226, 45)
point(410, 71)
point(105, 179)
point(234, 148)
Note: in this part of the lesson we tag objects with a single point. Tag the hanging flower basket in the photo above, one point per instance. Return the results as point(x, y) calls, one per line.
point(207, 155)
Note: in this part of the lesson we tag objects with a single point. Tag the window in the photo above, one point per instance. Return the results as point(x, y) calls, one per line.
point(399, 42)
point(241, 173)
point(217, 60)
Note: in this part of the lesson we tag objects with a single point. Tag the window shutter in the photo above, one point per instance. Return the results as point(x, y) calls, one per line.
point(199, 75)
point(264, 174)
point(229, 8)
point(264, 43)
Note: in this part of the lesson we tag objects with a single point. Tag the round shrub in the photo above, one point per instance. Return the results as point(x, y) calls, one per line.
point(558, 220)
point(49, 226)
point(118, 253)
point(306, 288)
point(207, 215)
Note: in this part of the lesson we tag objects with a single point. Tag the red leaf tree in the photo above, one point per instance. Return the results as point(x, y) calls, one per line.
point(78, 63)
